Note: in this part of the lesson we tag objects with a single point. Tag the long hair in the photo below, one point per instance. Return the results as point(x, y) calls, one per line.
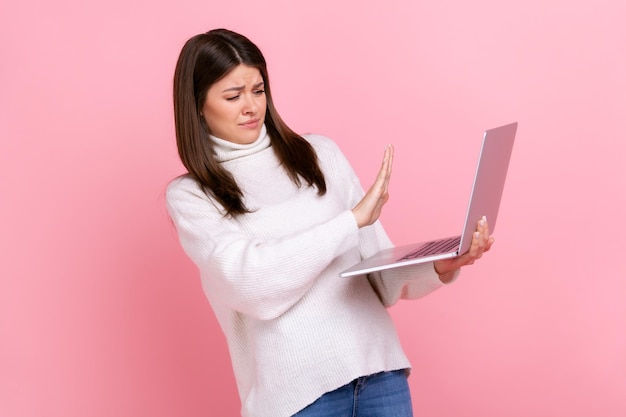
point(205, 59)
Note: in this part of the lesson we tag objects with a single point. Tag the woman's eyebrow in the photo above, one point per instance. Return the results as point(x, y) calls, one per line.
point(257, 85)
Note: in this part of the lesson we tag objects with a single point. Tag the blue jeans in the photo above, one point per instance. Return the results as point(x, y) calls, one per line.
point(385, 394)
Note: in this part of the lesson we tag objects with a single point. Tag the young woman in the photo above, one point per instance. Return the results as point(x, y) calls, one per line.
point(270, 218)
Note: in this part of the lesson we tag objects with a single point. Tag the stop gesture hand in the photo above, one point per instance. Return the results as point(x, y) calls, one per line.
point(369, 208)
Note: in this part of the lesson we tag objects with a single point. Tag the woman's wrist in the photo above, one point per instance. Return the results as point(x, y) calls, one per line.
point(446, 277)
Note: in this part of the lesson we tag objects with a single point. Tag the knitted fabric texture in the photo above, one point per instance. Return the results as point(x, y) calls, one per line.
point(294, 328)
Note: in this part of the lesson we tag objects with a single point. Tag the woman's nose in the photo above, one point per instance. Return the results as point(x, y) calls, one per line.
point(250, 105)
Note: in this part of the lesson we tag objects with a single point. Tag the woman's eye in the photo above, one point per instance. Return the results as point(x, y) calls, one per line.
point(232, 98)
point(259, 92)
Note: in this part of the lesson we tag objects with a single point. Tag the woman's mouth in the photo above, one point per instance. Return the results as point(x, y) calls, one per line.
point(250, 124)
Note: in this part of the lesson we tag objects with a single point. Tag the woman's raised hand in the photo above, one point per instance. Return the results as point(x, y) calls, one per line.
point(369, 208)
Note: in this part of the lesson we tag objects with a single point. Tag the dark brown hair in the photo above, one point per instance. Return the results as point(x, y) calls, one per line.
point(205, 59)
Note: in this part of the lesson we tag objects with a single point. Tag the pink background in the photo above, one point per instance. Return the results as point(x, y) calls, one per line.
point(101, 314)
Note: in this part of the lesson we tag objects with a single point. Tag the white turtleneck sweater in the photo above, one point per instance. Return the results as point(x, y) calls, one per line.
point(295, 329)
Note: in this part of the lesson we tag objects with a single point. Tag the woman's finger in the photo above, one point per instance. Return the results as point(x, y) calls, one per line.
point(384, 175)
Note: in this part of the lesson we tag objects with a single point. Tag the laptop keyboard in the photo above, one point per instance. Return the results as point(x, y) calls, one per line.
point(433, 248)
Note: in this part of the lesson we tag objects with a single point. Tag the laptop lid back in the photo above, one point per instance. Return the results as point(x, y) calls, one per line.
point(491, 171)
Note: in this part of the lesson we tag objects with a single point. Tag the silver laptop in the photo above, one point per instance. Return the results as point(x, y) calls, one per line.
point(493, 164)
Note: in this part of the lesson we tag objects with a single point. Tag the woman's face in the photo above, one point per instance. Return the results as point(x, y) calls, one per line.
point(235, 105)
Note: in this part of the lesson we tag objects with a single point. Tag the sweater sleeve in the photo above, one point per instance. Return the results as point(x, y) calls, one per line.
point(260, 278)
point(408, 282)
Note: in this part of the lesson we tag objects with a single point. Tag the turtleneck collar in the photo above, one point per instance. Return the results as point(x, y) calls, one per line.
point(227, 151)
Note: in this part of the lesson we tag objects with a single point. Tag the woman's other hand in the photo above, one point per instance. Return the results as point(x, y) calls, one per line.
point(481, 243)
point(369, 208)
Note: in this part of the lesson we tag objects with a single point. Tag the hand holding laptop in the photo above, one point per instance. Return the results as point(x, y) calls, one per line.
point(481, 243)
